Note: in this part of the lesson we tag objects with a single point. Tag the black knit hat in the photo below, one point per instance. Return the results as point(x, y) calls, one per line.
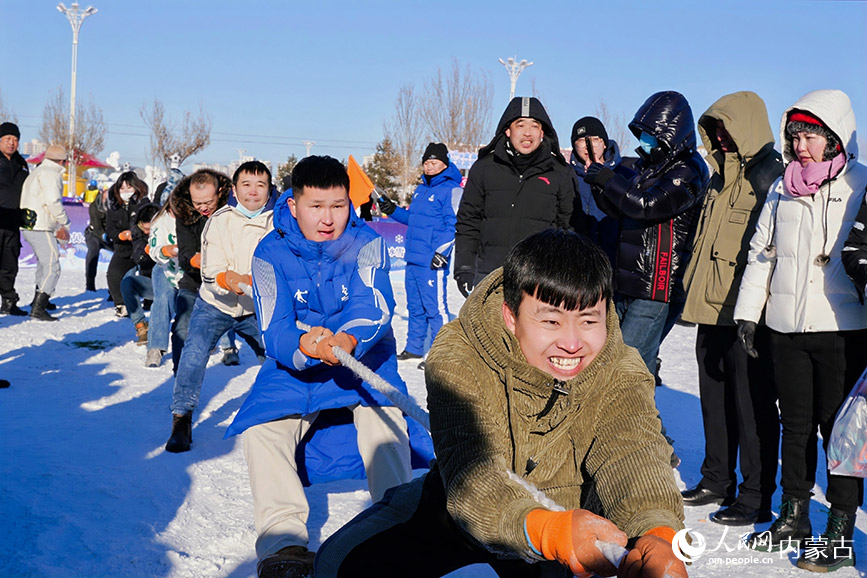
point(589, 126)
point(9, 128)
point(438, 151)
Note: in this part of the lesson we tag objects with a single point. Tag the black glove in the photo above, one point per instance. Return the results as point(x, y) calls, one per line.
point(439, 261)
point(465, 282)
point(386, 205)
point(28, 219)
point(598, 174)
point(746, 336)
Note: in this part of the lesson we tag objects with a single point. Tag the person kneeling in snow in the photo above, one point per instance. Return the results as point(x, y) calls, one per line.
point(228, 240)
point(321, 268)
point(532, 385)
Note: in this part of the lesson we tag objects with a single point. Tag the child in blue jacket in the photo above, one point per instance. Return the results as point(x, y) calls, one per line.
point(323, 267)
point(429, 239)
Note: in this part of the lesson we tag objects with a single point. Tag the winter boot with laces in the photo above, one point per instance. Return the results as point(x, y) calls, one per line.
point(788, 530)
point(141, 332)
point(835, 548)
point(290, 562)
point(182, 433)
point(10, 307)
point(37, 310)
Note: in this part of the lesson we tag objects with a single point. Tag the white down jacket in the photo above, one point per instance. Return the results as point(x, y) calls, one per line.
point(42, 193)
point(797, 294)
point(228, 242)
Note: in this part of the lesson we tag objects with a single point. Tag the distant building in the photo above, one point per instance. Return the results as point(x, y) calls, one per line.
point(32, 148)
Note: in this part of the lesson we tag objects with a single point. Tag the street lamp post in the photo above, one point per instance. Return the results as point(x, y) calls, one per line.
point(76, 18)
point(515, 69)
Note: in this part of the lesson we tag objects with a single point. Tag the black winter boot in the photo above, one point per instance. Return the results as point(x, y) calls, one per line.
point(182, 433)
point(290, 562)
point(835, 548)
point(37, 310)
point(10, 307)
point(791, 527)
point(49, 306)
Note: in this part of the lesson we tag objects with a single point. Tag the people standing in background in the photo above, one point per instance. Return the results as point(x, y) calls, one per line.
point(520, 185)
point(13, 172)
point(42, 193)
point(818, 322)
point(658, 212)
point(738, 400)
point(430, 235)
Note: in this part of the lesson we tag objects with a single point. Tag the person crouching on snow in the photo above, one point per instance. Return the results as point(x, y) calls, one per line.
point(532, 385)
point(228, 240)
point(323, 267)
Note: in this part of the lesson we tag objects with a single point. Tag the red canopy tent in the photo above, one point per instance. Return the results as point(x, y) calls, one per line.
point(84, 162)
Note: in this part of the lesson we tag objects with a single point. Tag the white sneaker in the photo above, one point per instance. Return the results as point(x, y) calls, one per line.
point(120, 311)
point(153, 358)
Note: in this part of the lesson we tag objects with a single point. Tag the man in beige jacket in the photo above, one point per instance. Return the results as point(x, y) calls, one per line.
point(42, 194)
point(536, 405)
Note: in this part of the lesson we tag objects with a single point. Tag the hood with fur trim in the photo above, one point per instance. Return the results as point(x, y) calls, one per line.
point(182, 204)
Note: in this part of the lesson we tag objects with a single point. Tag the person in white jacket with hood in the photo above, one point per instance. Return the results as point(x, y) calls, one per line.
point(42, 193)
point(818, 323)
point(228, 241)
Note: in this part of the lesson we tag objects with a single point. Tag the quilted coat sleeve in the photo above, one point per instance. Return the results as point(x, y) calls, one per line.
point(756, 282)
point(855, 251)
point(468, 227)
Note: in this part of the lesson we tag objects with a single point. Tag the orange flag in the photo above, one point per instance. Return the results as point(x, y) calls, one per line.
point(360, 185)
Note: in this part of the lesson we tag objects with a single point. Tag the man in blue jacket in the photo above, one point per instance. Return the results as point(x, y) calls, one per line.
point(323, 268)
point(429, 239)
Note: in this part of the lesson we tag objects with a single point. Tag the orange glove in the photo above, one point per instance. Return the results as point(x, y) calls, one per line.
point(229, 280)
point(169, 251)
point(124, 236)
point(308, 342)
point(570, 538)
point(62, 234)
point(652, 557)
point(344, 341)
point(196, 261)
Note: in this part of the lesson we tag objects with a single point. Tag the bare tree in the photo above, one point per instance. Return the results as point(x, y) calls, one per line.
point(404, 132)
point(169, 137)
point(616, 125)
point(89, 135)
point(6, 115)
point(456, 106)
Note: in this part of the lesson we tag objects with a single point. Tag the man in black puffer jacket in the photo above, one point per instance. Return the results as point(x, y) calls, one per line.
point(520, 185)
point(658, 211)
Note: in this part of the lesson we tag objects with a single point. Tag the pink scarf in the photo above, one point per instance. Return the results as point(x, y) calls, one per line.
point(802, 181)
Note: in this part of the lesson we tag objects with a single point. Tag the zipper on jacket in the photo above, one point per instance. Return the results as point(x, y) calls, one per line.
point(557, 388)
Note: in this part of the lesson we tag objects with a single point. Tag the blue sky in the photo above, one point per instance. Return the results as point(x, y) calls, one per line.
point(275, 73)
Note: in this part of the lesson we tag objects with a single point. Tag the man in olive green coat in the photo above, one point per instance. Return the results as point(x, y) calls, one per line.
point(536, 405)
point(737, 395)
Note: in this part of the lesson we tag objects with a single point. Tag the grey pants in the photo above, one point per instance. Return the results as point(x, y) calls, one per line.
point(47, 253)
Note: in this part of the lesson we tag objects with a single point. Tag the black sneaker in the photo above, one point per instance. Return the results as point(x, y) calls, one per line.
point(404, 355)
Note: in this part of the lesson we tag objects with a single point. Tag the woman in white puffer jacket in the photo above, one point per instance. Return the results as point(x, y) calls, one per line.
point(818, 323)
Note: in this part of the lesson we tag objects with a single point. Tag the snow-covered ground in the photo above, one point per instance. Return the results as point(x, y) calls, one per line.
point(87, 490)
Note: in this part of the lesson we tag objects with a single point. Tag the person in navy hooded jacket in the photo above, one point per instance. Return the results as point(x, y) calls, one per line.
point(324, 270)
point(429, 239)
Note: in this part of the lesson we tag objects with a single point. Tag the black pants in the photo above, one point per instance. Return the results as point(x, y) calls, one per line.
point(410, 533)
point(814, 374)
point(91, 260)
point(121, 262)
point(10, 250)
point(739, 412)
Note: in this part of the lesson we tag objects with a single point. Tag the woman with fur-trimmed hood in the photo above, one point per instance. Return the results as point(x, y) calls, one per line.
point(193, 201)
